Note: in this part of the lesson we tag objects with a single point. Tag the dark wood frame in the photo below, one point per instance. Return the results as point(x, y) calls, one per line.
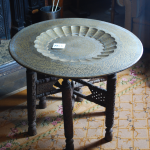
point(39, 86)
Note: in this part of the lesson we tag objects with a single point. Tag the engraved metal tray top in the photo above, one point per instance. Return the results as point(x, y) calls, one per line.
point(93, 48)
point(82, 43)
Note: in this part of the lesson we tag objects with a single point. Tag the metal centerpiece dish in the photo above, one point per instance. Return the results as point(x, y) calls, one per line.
point(82, 43)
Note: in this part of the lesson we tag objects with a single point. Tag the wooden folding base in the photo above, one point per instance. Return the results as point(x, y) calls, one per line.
point(105, 98)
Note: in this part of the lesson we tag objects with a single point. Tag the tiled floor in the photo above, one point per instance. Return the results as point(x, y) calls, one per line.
point(16, 80)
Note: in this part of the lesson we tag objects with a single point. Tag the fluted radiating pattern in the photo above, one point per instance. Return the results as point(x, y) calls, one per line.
point(42, 41)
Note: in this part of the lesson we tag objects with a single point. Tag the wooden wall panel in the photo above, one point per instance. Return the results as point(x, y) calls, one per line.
point(65, 3)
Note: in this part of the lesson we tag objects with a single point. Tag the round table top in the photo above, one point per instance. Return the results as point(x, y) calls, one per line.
point(93, 48)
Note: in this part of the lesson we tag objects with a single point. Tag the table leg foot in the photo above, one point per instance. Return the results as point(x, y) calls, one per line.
point(32, 131)
point(31, 101)
point(109, 135)
point(110, 106)
point(67, 94)
point(42, 102)
point(69, 144)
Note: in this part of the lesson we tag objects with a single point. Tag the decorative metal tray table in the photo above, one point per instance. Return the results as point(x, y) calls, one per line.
point(92, 49)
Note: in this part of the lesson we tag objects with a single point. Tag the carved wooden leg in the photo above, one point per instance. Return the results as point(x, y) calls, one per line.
point(31, 101)
point(42, 102)
point(110, 104)
point(67, 93)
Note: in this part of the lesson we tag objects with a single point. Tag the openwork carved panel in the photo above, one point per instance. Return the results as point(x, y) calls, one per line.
point(98, 95)
point(45, 87)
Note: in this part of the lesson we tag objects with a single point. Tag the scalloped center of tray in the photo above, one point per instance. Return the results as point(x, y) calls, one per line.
point(77, 47)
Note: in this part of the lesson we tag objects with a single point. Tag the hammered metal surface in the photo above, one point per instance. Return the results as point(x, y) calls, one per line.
point(123, 49)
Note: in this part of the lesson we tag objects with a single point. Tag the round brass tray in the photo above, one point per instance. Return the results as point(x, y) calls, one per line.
point(82, 43)
point(93, 48)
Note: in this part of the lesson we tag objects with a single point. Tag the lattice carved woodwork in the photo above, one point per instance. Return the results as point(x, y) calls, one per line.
point(45, 87)
point(98, 95)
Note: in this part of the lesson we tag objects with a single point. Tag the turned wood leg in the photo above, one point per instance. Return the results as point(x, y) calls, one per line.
point(67, 93)
point(31, 101)
point(42, 102)
point(110, 105)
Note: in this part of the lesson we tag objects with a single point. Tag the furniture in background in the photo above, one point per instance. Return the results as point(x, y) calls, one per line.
point(61, 2)
point(112, 11)
point(137, 18)
point(5, 19)
point(25, 13)
point(14, 16)
point(113, 50)
point(80, 8)
point(17, 14)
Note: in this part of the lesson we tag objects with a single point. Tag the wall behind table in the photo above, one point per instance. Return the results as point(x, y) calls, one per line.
point(63, 3)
